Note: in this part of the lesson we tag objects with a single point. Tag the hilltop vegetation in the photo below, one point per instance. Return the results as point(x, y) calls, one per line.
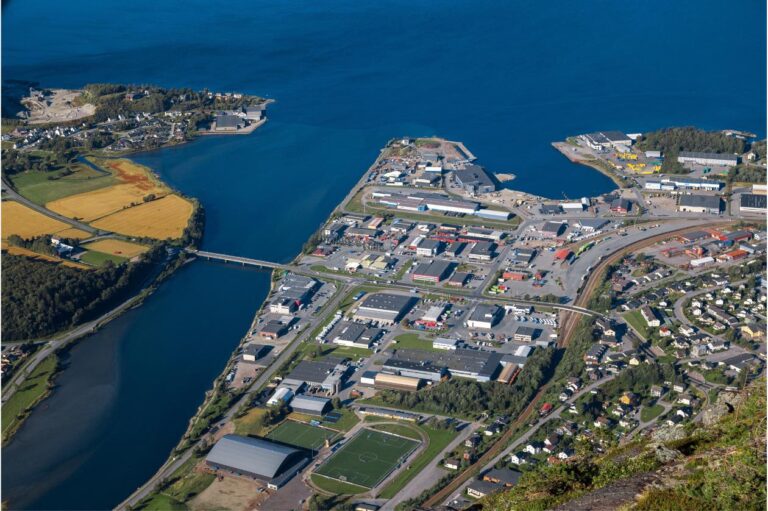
point(671, 141)
point(718, 466)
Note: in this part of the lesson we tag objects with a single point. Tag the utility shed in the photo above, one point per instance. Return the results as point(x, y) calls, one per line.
point(254, 457)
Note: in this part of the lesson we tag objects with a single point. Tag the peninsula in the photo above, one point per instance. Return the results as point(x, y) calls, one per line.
point(86, 232)
point(442, 340)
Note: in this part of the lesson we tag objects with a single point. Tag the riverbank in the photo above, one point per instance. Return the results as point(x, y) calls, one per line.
point(22, 402)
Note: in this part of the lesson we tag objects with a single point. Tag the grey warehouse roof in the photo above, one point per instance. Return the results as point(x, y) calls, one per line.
point(386, 302)
point(700, 201)
point(303, 402)
point(253, 455)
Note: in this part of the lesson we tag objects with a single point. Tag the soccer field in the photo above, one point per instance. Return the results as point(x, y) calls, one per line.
point(300, 435)
point(368, 458)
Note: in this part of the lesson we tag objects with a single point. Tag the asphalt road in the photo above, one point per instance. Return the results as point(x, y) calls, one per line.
point(10, 193)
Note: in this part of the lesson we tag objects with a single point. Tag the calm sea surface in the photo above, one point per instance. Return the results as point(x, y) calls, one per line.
point(507, 78)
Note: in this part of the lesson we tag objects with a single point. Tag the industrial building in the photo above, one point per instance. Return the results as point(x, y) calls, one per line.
point(257, 458)
point(485, 316)
point(552, 229)
point(692, 183)
point(710, 204)
point(311, 405)
point(397, 382)
point(475, 179)
point(228, 122)
point(357, 335)
point(459, 279)
point(432, 318)
point(604, 140)
point(328, 374)
point(752, 203)
point(522, 255)
point(483, 251)
point(592, 224)
point(621, 205)
point(526, 333)
point(384, 308)
point(253, 352)
point(477, 365)
point(708, 158)
point(429, 247)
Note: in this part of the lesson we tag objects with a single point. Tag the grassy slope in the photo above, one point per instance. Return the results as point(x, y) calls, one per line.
point(33, 390)
point(723, 467)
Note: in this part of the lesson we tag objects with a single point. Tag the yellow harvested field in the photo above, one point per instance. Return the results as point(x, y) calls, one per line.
point(117, 247)
point(26, 222)
point(159, 219)
point(14, 250)
point(136, 183)
point(73, 233)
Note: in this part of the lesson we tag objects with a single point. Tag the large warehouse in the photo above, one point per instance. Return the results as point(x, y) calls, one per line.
point(475, 179)
point(709, 204)
point(752, 203)
point(256, 458)
point(311, 405)
point(434, 271)
point(384, 308)
point(708, 158)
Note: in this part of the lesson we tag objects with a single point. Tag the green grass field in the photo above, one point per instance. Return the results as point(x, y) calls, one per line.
point(34, 388)
point(405, 430)
point(648, 413)
point(37, 187)
point(300, 435)
point(95, 258)
point(412, 342)
point(438, 440)
point(368, 458)
point(637, 322)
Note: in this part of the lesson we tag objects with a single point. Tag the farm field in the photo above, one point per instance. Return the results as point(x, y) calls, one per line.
point(300, 435)
point(116, 247)
point(95, 258)
point(367, 459)
point(159, 219)
point(26, 222)
point(44, 187)
point(73, 233)
point(134, 183)
point(13, 250)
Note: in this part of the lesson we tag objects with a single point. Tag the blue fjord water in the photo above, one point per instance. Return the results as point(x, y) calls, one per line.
point(507, 78)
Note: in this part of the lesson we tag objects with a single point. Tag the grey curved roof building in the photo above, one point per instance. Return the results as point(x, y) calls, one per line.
point(255, 457)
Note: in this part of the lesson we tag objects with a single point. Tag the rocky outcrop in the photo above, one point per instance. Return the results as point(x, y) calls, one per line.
point(726, 403)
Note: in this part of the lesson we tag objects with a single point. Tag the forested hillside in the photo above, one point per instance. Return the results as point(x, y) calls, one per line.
point(40, 298)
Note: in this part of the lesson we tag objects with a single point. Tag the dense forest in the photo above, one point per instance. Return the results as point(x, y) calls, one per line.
point(40, 298)
point(471, 399)
point(671, 141)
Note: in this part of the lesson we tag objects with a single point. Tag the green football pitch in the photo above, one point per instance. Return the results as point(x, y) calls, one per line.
point(368, 458)
point(300, 435)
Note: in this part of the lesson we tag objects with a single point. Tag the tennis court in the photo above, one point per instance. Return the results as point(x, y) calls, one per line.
point(368, 458)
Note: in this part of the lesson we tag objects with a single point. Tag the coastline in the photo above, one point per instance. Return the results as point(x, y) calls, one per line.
point(562, 147)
